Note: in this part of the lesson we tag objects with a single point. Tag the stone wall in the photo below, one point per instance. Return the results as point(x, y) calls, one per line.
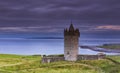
point(71, 48)
point(49, 59)
point(52, 59)
point(90, 57)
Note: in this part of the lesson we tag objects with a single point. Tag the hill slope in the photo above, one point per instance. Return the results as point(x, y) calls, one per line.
point(32, 64)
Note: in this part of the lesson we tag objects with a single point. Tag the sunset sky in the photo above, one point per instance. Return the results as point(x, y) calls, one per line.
point(48, 18)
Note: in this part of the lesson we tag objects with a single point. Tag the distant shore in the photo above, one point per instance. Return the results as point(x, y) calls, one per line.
point(111, 46)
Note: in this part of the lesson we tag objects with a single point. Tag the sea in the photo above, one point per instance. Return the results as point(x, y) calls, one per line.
point(48, 46)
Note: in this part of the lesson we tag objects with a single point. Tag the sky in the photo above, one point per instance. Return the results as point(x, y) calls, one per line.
point(48, 18)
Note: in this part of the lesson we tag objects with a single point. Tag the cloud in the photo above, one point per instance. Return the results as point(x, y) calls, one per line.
point(45, 29)
point(85, 10)
point(90, 16)
point(109, 27)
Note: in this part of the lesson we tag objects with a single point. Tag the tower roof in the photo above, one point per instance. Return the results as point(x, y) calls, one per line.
point(71, 31)
point(71, 28)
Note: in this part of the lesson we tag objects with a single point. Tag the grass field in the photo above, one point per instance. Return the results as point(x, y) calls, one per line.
point(111, 46)
point(32, 64)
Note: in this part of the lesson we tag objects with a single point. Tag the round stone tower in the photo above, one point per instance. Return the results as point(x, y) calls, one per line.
point(71, 43)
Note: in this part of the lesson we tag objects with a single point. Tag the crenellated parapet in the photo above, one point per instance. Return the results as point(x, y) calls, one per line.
point(71, 31)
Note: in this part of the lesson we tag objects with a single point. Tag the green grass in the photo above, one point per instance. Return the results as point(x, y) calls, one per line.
point(117, 58)
point(110, 46)
point(32, 64)
point(4, 56)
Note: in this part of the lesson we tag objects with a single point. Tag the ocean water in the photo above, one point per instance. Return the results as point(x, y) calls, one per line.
point(45, 46)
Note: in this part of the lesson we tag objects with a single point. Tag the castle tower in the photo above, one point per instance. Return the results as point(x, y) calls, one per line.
point(71, 43)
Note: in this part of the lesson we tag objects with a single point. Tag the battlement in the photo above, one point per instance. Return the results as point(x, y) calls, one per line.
point(71, 31)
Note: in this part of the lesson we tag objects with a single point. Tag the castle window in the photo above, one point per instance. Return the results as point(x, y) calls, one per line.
point(68, 53)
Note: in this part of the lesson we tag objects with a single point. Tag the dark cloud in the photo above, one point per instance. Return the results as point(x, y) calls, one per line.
point(88, 15)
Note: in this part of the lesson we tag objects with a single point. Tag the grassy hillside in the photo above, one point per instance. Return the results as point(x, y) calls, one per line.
point(116, 58)
point(32, 64)
point(111, 46)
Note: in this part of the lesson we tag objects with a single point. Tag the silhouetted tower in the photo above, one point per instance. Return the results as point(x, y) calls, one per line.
point(71, 43)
